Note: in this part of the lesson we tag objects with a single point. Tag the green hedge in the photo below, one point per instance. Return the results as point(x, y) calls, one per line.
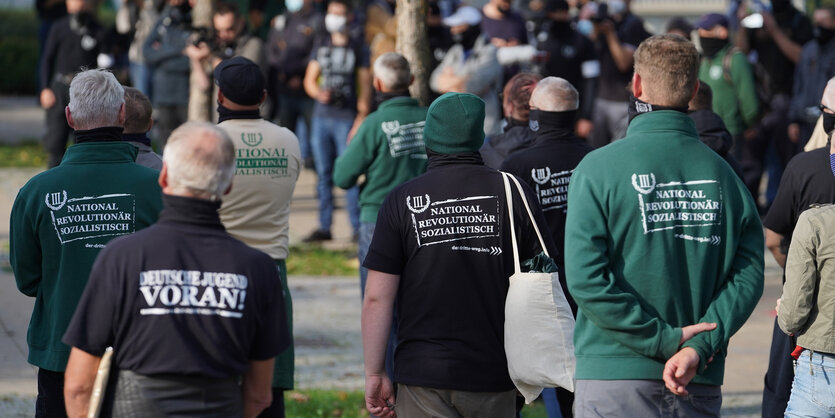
point(18, 51)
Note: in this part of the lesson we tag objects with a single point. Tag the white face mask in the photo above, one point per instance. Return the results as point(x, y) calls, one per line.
point(335, 23)
point(293, 6)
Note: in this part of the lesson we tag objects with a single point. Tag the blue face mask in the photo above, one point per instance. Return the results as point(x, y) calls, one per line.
point(585, 27)
point(293, 6)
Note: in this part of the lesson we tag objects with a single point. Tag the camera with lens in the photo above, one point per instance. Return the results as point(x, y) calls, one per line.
point(200, 35)
point(338, 98)
point(602, 13)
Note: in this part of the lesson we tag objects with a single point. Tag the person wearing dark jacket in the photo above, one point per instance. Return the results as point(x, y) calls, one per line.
point(571, 56)
point(711, 129)
point(547, 168)
point(73, 43)
point(516, 136)
point(163, 52)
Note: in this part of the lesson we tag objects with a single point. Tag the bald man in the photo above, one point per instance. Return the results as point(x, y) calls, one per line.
point(547, 168)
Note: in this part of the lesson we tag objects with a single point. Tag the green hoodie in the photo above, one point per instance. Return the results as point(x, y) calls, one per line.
point(60, 221)
point(660, 234)
point(735, 102)
point(388, 148)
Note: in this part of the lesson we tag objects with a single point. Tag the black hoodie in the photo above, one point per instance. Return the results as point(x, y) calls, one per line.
point(714, 134)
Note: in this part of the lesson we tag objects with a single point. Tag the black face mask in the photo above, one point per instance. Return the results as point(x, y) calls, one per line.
point(823, 35)
point(552, 124)
point(468, 37)
point(638, 107)
point(380, 97)
point(828, 123)
point(712, 46)
point(780, 6)
point(560, 28)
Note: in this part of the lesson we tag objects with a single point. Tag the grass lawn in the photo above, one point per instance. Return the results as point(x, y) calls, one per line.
point(25, 154)
point(314, 260)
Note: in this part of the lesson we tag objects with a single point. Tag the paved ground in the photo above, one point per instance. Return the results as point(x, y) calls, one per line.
point(326, 309)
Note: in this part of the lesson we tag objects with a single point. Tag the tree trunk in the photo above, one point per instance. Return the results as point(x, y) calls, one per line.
point(413, 43)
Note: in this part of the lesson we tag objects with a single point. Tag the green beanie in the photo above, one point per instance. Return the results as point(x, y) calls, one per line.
point(455, 124)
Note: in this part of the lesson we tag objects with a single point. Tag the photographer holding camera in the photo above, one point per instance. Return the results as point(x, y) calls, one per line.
point(338, 78)
point(616, 34)
point(231, 38)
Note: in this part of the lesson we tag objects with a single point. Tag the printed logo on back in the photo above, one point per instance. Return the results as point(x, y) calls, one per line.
point(90, 217)
point(450, 220)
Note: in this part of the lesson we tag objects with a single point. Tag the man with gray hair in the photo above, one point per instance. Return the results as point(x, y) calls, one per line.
point(388, 149)
point(138, 123)
point(547, 168)
point(189, 310)
point(63, 217)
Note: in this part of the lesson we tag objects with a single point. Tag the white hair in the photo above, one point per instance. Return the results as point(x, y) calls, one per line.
point(828, 98)
point(554, 94)
point(393, 71)
point(96, 99)
point(200, 159)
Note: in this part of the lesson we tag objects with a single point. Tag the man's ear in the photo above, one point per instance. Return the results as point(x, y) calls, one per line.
point(150, 125)
point(228, 189)
point(69, 117)
point(122, 115)
point(220, 97)
point(637, 85)
point(377, 83)
point(411, 79)
point(263, 98)
point(163, 176)
point(695, 91)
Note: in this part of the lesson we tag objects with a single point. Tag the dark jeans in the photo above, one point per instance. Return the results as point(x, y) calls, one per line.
point(57, 129)
point(290, 110)
point(780, 374)
point(50, 401)
point(169, 117)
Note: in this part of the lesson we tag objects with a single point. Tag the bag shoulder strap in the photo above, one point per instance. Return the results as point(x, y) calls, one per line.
point(516, 263)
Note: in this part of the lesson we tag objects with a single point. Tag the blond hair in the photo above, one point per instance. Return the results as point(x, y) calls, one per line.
point(669, 69)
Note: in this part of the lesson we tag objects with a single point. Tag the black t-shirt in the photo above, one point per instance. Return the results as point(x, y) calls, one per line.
point(339, 65)
point(547, 168)
point(512, 27)
point(612, 83)
point(182, 297)
point(778, 75)
point(807, 180)
point(446, 233)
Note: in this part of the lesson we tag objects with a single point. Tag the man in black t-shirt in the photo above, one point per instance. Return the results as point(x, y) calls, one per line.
point(339, 80)
point(442, 248)
point(807, 180)
point(778, 45)
point(188, 309)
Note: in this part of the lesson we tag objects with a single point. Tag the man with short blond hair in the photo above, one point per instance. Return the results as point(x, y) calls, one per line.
point(662, 235)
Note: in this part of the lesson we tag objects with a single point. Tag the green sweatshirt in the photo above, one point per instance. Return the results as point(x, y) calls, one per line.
point(60, 221)
point(736, 103)
point(388, 148)
point(660, 234)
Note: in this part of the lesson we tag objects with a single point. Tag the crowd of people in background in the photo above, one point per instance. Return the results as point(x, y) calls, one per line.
point(528, 87)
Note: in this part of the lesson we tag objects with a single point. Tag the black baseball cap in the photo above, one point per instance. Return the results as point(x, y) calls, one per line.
point(240, 80)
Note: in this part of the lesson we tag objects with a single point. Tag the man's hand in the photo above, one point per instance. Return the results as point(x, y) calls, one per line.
point(690, 331)
point(379, 396)
point(680, 370)
point(448, 81)
point(324, 96)
point(769, 23)
point(584, 127)
point(197, 53)
point(47, 98)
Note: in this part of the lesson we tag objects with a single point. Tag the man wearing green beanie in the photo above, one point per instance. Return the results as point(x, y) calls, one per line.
point(442, 247)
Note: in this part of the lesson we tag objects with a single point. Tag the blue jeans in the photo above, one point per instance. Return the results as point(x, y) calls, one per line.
point(328, 139)
point(813, 388)
point(366, 234)
point(140, 77)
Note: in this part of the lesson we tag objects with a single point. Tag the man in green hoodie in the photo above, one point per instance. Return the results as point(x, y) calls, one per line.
point(660, 235)
point(63, 217)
